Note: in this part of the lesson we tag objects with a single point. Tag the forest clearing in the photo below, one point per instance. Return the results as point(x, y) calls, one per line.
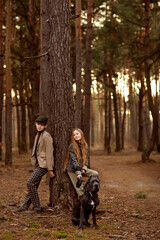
point(129, 201)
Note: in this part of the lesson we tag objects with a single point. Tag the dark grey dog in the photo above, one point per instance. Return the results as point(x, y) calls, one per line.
point(87, 204)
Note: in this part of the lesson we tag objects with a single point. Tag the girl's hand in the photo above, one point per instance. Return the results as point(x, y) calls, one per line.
point(79, 176)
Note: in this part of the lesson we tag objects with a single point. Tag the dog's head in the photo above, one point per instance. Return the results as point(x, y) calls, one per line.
point(92, 185)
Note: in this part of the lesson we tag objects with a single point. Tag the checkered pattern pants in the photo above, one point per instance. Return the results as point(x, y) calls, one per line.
point(33, 184)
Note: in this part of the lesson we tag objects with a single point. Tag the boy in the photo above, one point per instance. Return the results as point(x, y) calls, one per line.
point(43, 162)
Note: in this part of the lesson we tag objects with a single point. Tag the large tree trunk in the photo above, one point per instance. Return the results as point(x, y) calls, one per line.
point(8, 119)
point(153, 107)
point(78, 107)
point(87, 89)
point(56, 91)
point(1, 75)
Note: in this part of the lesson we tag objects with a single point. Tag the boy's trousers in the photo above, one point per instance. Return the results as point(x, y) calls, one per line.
point(33, 184)
point(73, 177)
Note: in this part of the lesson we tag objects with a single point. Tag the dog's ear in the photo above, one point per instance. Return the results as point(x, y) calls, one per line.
point(88, 185)
point(98, 178)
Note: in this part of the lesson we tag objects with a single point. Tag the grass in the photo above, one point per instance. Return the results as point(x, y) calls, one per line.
point(61, 234)
point(33, 224)
point(138, 212)
point(140, 195)
point(81, 235)
point(46, 234)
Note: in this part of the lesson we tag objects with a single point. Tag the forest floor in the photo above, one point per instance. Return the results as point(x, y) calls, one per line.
point(129, 201)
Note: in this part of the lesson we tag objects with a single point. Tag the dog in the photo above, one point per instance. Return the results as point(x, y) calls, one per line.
point(87, 204)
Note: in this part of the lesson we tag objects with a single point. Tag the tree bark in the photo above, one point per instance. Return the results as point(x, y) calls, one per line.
point(78, 106)
point(117, 125)
point(123, 123)
point(87, 89)
point(1, 74)
point(23, 135)
point(56, 91)
point(133, 122)
point(106, 112)
point(153, 107)
point(107, 106)
point(141, 133)
point(92, 121)
point(156, 70)
point(8, 116)
point(18, 121)
point(141, 120)
point(34, 75)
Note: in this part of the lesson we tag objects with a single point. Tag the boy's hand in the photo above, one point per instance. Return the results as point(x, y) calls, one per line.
point(51, 174)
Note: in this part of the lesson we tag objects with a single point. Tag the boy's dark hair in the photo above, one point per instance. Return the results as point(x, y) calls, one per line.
point(41, 119)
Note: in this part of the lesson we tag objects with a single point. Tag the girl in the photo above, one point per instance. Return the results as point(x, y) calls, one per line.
point(76, 162)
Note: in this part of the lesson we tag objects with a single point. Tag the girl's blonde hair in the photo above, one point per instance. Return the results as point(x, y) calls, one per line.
point(84, 148)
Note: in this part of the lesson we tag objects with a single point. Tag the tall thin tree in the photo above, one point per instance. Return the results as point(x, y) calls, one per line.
point(141, 92)
point(8, 120)
point(153, 107)
point(78, 106)
point(1, 74)
point(34, 75)
point(87, 88)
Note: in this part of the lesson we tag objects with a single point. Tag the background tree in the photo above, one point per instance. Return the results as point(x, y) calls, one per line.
point(87, 84)
point(153, 107)
point(1, 74)
point(34, 73)
point(78, 101)
point(8, 77)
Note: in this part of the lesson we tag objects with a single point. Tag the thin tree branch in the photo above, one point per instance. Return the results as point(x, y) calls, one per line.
point(38, 56)
point(33, 57)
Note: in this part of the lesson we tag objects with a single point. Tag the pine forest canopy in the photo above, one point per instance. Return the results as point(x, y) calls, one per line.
point(114, 63)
